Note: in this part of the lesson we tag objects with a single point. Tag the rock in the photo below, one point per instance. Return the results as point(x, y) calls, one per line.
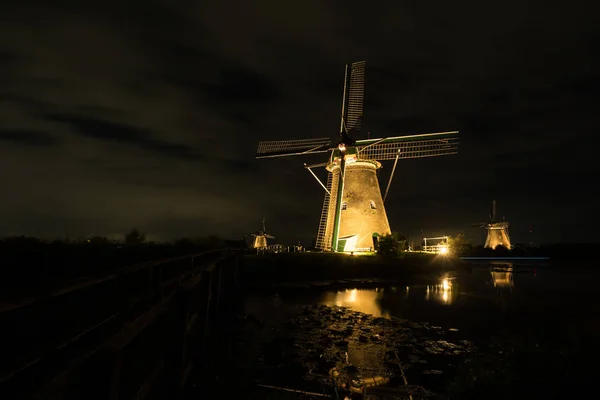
point(350, 369)
point(432, 372)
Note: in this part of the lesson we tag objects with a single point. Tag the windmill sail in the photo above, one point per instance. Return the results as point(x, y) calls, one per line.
point(414, 146)
point(354, 94)
point(279, 148)
point(327, 222)
point(497, 232)
point(353, 214)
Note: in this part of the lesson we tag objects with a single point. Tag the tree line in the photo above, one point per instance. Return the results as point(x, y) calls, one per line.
point(134, 237)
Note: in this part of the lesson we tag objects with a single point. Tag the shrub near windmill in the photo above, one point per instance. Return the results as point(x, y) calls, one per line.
point(353, 213)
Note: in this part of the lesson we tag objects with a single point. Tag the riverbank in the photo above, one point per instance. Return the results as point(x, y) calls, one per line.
point(473, 337)
point(327, 267)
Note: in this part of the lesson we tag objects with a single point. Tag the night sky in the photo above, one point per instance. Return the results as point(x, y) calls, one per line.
point(148, 116)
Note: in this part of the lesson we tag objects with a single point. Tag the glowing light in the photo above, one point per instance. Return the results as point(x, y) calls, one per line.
point(365, 301)
point(441, 292)
point(443, 250)
point(446, 288)
point(352, 296)
point(446, 284)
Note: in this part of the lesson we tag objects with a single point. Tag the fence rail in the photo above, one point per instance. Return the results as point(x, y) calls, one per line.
point(127, 334)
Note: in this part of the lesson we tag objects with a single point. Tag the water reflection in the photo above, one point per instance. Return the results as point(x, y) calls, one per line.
point(502, 275)
point(441, 293)
point(384, 302)
point(366, 301)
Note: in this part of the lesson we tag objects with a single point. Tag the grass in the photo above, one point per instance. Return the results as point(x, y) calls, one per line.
point(290, 267)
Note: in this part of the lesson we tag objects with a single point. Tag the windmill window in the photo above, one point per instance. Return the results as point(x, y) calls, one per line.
point(344, 205)
point(373, 207)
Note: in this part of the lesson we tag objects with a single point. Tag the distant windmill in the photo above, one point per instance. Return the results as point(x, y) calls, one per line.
point(353, 213)
point(260, 237)
point(497, 232)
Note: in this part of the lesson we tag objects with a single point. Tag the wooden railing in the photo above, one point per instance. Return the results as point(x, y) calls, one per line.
point(124, 335)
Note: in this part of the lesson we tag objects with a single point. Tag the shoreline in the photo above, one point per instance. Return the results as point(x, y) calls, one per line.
point(309, 268)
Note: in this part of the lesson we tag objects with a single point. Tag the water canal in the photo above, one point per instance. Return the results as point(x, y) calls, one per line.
point(502, 331)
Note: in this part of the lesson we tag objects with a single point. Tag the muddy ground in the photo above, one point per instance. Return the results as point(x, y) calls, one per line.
point(536, 336)
point(318, 351)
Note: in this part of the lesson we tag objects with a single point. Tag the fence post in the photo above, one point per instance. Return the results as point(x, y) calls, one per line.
point(167, 319)
point(180, 359)
point(115, 364)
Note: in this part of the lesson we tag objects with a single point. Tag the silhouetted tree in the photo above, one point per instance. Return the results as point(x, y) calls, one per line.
point(211, 242)
point(459, 245)
point(501, 251)
point(184, 242)
point(402, 240)
point(22, 240)
point(135, 237)
point(389, 246)
point(98, 240)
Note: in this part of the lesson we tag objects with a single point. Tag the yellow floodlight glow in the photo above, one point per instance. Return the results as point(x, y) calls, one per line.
point(443, 250)
point(446, 284)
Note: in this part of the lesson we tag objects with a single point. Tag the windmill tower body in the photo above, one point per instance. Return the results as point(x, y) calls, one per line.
point(497, 235)
point(353, 212)
point(260, 237)
point(497, 232)
point(260, 241)
point(362, 215)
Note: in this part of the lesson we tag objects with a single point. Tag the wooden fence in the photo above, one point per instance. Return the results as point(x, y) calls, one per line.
point(132, 334)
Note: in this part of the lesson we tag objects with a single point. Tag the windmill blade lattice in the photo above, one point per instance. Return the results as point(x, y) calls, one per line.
point(404, 147)
point(353, 114)
point(281, 148)
point(351, 222)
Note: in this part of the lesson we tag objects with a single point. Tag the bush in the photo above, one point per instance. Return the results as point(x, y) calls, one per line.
point(389, 246)
point(459, 245)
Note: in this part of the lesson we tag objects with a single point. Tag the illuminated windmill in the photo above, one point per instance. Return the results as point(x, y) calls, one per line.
point(497, 232)
point(353, 213)
point(260, 237)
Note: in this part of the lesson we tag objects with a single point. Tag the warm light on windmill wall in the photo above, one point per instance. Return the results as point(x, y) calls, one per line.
point(357, 153)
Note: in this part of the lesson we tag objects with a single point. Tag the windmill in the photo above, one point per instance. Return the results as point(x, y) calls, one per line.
point(353, 213)
point(260, 237)
point(497, 232)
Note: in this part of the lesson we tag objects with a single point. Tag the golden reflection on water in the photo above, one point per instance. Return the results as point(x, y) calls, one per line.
point(441, 292)
point(365, 301)
point(503, 279)
point(503, 275)
point(369, 301)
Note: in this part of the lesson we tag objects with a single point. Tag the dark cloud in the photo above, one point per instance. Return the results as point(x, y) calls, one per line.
point(242, 87)
point(121, 133)
point(28, 138)
point(30, 104)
